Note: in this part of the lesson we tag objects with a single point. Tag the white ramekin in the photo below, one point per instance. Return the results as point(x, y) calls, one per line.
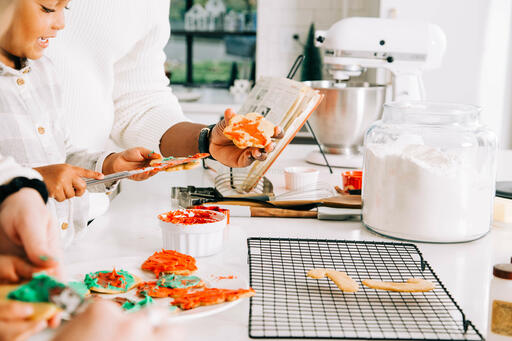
point(300, 177)
point(196, 240)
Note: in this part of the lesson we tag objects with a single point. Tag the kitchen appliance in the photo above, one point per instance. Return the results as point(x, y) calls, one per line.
point(289, 305)
point(353, 45)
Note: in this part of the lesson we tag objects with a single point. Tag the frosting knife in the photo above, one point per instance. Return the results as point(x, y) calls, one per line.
point(159, 165)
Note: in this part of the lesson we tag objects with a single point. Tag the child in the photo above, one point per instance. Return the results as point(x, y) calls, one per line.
point(31, 119)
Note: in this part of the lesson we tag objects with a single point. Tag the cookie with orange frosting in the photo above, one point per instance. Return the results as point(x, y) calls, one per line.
point(170, 261)
point(210, 296)
point(250, 130)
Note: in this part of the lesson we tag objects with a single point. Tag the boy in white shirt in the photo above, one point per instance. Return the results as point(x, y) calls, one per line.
point(31, 128)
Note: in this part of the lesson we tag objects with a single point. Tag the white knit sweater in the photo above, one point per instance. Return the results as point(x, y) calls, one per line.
point(110, 61)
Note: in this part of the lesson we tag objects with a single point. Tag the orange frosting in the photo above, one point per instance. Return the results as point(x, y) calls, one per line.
point(208, 296)
point(110, 278)
point(169, 261)
point(156, 291)
point(189, 217)
point(247, 127)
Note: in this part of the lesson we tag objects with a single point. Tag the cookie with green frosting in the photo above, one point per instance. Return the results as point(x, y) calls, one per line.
point(37, 293)
point(111, 282)
point(174, 281)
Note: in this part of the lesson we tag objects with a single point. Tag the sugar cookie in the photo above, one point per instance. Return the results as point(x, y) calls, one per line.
point(341, 279)
point(412, 285)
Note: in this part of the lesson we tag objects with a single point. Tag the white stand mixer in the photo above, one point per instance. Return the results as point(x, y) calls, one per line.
point(406, 48)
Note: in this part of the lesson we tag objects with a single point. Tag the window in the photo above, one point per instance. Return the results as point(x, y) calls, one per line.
point(212, 43)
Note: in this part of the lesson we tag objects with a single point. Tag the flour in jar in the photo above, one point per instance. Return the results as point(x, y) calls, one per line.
point(423, 193)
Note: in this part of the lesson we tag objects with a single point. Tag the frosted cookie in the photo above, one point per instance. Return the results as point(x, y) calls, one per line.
point(37, 292)
point(412, 285)
point(170, 261)
point(210, 296)
point(172, 164)
point(129, 305)
point(111, 282)
point(152, 289)
point(80, 287)
point(341, 279)
point(174, 281)
point(250, 130)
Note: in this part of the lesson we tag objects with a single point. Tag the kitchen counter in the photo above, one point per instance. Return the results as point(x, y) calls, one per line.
point(130, 228)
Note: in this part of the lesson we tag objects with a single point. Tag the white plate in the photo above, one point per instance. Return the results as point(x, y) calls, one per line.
point(210, 273)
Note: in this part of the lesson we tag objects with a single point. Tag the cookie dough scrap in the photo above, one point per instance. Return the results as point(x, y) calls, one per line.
point(210, 296)
point(341, 279)
point(412, 285)
point(111, 282)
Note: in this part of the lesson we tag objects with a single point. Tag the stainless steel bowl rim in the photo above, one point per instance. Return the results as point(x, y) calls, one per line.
point(333, 85)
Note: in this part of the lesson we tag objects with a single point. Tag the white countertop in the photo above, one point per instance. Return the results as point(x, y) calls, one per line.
point(130, 228)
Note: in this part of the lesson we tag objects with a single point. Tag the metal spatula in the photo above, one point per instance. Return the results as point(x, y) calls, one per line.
point(165, 164)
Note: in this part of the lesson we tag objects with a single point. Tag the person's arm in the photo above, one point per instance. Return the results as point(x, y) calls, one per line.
point(145, 107)
point(9, 170)
point(148, 114)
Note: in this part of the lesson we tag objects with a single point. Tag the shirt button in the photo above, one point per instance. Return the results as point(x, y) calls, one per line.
point(20, 81)
point(64, 226)
point(27, 70)
point(41, 130)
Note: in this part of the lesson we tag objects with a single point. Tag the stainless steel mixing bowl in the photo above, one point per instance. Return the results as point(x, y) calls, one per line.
point(346, 112)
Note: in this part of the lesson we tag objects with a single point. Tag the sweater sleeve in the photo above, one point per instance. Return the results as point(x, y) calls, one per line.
point(9, 170)
point(145, 106)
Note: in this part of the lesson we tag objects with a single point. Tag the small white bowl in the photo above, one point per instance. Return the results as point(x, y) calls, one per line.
point(196, 240)
point(300, 177)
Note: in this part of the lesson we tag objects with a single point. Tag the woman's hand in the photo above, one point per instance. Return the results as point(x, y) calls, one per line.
point(130, 159)
point(223, 150)
point(65, 181)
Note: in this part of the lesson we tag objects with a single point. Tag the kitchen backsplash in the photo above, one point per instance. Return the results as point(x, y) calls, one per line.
point(280, 20)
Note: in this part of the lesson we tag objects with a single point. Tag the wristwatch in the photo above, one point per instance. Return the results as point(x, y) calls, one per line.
point(204, 139)
point(21, 182)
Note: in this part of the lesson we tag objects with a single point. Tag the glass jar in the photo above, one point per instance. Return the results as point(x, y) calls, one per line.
point(429, 173)
point(500, 304)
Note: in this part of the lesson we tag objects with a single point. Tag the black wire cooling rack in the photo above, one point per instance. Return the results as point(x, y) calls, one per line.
point(290, 305)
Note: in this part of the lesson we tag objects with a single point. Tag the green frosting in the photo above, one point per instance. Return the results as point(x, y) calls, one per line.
point(136, 306)
point(177, 281)
point(91, 280)
point(79, 287)
point(37, 290)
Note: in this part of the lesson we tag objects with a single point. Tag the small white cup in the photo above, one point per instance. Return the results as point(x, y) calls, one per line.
point(299, 177)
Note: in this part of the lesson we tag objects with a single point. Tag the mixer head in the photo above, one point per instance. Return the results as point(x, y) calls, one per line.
point(404, 47)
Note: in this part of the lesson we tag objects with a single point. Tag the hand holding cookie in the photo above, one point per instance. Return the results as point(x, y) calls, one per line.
point(228, 138)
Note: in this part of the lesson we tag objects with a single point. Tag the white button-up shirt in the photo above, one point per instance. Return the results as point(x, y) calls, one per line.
point(33, 133)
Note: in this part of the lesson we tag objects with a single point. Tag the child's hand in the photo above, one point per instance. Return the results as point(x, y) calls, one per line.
point(130, 159)
point(14, 323)
point(65, 181)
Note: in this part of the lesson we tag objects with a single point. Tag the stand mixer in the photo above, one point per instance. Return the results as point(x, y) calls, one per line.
point(350, 47)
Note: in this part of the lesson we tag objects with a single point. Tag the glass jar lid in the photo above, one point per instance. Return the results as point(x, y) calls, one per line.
point(503, 271)
point(430, 113)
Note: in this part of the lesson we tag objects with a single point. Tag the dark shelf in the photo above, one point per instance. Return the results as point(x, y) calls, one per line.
point(212, 34)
